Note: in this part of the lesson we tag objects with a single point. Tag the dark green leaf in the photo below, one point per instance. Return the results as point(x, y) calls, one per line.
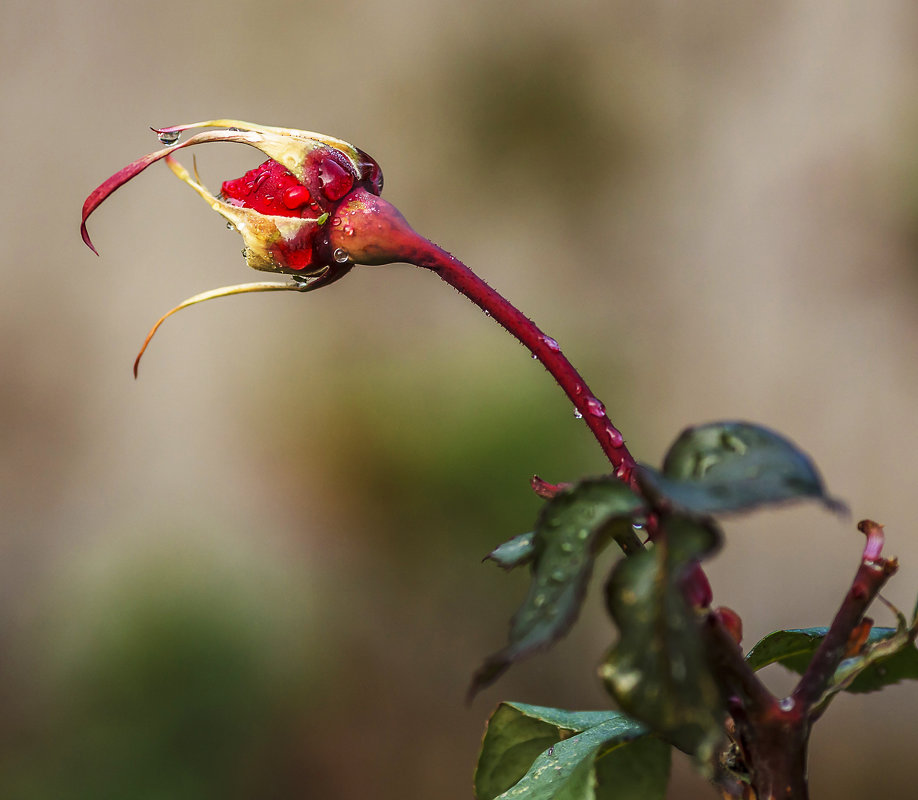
point(889, 656)
point(658, 672)
point(541, 753)
point(734, 466)
point(572, 527)
point(514, 553)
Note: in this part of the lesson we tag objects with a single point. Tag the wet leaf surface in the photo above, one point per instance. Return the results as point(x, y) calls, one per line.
point(658, 672)
point(541, 753)
point(572, 528)
point(734, 466)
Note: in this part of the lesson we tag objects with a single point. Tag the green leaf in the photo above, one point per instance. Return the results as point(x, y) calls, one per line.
point(888, 656)
point(658, 672)
point(514, 553)
point(572, 527)
point(541, 753)
point(734, 466)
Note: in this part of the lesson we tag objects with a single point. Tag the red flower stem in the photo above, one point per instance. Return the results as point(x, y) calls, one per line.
point(543, 347)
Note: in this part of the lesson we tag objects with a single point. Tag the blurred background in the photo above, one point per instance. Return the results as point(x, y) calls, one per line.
point(255, 571)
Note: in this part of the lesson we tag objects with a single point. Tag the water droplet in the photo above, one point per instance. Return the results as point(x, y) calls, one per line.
point(551, 751)
point(169, 138)
point(551, 344)
point(487, 313)
point(583, 533)
point(786, 704)
point(296, 197)
point(595, 406)
point(340, 255)
point(615, 437)
point(534, 356)
point(230, 226)
point(577, 414)
point(335, 179)
point(336, 221)
point(245, 253)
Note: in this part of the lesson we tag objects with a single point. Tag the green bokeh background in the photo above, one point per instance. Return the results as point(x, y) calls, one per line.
point(256, 572)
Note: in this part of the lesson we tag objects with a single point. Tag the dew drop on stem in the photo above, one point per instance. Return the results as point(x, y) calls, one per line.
point(594, 406)
point(577, 414)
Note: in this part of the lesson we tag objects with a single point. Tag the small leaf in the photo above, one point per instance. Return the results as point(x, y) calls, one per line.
point(517, 551)
point(734, 466)
point(888, 656)
point(572, 527)
point(658, 672)
point(541, 753)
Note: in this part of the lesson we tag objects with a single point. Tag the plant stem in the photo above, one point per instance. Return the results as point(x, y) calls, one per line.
point(872, 574)
point(543, 347)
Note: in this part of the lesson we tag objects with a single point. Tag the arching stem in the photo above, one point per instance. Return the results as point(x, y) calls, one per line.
point(543, 347)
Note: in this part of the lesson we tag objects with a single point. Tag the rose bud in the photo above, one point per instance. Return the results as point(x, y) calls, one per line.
point(285, 208)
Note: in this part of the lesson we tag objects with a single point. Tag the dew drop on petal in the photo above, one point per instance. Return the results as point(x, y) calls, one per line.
point(335, 179)
point(230, 226)
point(786, 704)
point(296, 196)
point(340, 255)
point(168, 138)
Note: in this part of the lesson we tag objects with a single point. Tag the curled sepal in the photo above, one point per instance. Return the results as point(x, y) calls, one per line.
point(224, 291)
point(272, 243)
point(306, 177)
point(288, 146)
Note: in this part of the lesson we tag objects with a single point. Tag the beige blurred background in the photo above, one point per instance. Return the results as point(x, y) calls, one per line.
point(255, 571)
